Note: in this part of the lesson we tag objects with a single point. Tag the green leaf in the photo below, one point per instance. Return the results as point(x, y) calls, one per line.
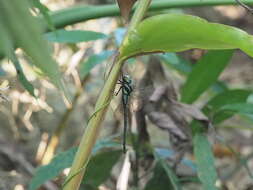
point(176, 62)
point(204, 161)
point(169, 172)
point(169, 154)
point(6, 46)
point(62, 161)
point(204, 74)
point(219, 87)
point(99, 168)
point(21, 76)
point(242, 108)
point(73, 36)
point(8, 50)
point(45, 12)
point(26, 33)
point(227, 97)
point(92, 61)
point(159, 181)
point(179, 32)
point(185, 67)
point(44, 173)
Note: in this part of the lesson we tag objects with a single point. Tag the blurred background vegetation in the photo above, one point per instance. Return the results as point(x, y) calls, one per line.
point(34, 114)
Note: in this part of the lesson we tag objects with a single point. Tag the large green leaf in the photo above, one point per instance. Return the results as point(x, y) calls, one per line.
point(204, 161)
point(179, 32)
point(73, 36)
point(44, 173)
point(184, 67)
point(7, 47)
point(62, 161)
point(229, 97)
point(242, 108)
point(25, 32)
point(204, 74)
point(99, 168)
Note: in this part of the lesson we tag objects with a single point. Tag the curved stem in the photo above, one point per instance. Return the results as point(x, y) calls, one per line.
point(92, 130)
point(77, 14)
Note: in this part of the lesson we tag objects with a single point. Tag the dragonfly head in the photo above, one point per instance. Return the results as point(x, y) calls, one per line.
point(127, 79)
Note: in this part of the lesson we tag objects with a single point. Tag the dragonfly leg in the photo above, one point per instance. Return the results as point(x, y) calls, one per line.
point(120, 82)
point(116, 94)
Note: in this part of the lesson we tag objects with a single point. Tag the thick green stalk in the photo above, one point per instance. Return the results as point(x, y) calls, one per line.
point(77, 14)
point(92, 130)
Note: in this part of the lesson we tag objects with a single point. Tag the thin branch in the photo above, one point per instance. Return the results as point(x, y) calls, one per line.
point(245, 6)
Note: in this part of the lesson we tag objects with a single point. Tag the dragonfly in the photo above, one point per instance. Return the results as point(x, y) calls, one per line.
point(126, 89)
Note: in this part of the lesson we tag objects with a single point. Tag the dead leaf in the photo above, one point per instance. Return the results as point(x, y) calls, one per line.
point(163, 121)
point(191, 111)
point(163, 109)
point(125, 7)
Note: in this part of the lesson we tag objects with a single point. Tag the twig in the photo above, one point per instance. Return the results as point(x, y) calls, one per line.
point(245, 6)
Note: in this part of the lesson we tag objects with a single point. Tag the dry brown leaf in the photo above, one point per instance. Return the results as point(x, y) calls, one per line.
point(191, 110)
point(125, 7)
point(164, 121)
point(163, 109)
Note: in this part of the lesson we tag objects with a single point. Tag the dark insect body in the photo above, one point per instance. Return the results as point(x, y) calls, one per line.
point(126, 90)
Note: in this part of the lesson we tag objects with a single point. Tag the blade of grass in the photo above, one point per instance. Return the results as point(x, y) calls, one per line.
point(204, 159)
point(204, 74)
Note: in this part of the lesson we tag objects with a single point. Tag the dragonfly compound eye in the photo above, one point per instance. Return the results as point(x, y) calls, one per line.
point(127, 79)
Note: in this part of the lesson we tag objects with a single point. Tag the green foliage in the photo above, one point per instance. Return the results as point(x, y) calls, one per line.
point(26, 33)
point(44, 173)
point(73, 36)
point(179, 32)
point(45, 12)
point(81, 13)
point(99, 169)
point(204, 161)
point(184, 67)
point(226, 98)
point(176, 62)
point(64, 160)
point(204, 74)
point(7, 48)
point(21, 76)
point(160, 180)
point(169, 172)
point(92, 61)
point(165, 153)
point(242, 108)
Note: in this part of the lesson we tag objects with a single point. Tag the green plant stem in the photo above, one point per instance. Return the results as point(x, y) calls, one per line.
point(74, 15)
point(92, 130)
